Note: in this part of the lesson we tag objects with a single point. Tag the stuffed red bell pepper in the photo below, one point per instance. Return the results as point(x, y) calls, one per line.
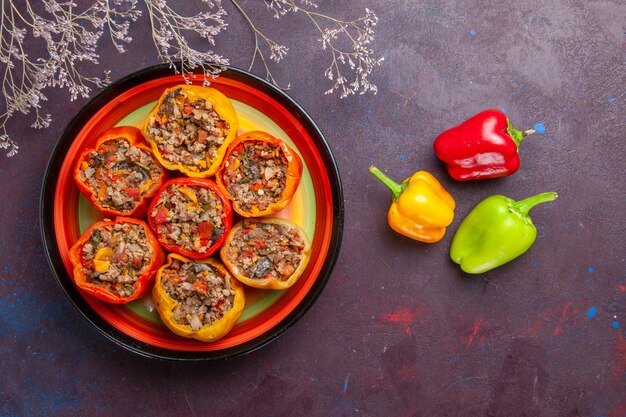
point(116, 261)
point(484, 146)
point(190, 216)
point(120, 174)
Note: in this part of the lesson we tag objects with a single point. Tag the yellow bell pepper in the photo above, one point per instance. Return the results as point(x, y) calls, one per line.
point(167, 306)
point(233, 258)
point(189, 193)
point(208, 164)
point(101, 261)
point(421, 207)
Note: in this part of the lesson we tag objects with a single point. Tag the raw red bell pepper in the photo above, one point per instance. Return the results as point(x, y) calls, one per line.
point(106, 269)
point(190, 216)
point(119, 185)
point(484, 146)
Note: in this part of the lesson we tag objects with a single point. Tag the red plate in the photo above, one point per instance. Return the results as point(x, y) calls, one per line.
point(317, 206)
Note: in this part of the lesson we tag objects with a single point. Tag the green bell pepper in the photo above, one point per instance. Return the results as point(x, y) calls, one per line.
point(495, 232)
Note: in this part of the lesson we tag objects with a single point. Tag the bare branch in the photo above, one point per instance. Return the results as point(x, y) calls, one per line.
point(71, 34)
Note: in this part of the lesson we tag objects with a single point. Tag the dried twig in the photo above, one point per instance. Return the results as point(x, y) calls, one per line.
point(169, 30)
point(70, 34)
point(359, 33)
point(277, 51)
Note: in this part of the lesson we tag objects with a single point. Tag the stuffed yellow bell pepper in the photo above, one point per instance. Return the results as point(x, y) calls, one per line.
point(197, 299)
point(266, 253)
point(190, 129)
point(421, 207)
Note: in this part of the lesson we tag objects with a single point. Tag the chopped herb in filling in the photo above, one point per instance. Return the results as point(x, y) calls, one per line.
point(119, 174)
point(203, 292)
point(266, 250)
point(115, 256)
point(187, 133)
point(255, 174)
point(189, 217)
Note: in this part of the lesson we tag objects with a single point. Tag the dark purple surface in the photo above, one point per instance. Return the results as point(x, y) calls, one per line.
point(399, 330)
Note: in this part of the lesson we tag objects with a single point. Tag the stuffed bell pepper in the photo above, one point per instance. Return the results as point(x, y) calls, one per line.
point(190, 216)
point(267, 253)
point(116, 261)
point(190, 129)
point(120, 174)
point(197, 299)
point(260, 174)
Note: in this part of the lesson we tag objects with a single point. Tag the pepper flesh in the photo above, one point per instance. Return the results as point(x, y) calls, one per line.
point(421, 208)
point(142, 284)
point(484, 146)
point(495, 232)
point(135, 138)
point(293, 175)
point(224, 109)
point(166, 305)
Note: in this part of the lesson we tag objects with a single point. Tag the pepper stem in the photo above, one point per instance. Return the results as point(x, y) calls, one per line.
point(523, 206)
point(518, 135)
point(396, 189)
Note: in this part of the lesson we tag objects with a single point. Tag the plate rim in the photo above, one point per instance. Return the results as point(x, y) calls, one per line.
point(53, 256)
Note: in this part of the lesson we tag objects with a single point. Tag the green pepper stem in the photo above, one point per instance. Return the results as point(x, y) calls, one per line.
point(518, 135)
point(523, 206)
point(396, 189)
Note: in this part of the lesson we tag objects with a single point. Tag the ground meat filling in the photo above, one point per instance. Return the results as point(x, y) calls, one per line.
point(115, 256)
point(256, 174)
point(189, 217)
point(202, 292)
point(119, 174)
point(266, 250)
point(187, 133)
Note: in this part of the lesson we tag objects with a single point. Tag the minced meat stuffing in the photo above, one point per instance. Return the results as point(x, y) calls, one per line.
point(256, 174)
point(119, 174)
point(115, 256)
point(189, 217)
point(266, 250)
point(202, 292)
point(187, 133)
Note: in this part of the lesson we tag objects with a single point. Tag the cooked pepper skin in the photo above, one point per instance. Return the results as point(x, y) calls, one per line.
point(166, 305)
point(495, 232)
point(224, 109)
point(227, 217)
point(267, 283)
point(294, 173)
point(135, 138)
point(421, 208)
point(484, 146)
point(143, 283)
